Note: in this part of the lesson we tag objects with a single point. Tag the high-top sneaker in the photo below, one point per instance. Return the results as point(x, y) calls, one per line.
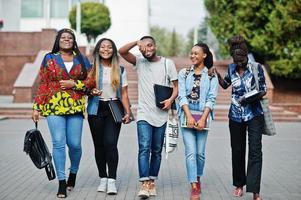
point(111, 190)
point(102, 185)
point(144, 190)
point(152, 189)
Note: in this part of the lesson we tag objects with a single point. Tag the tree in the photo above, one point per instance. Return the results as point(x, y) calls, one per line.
point(174, 45)
point(168, 43)
point(272, 29)
point(95, 19)
point(202, 34)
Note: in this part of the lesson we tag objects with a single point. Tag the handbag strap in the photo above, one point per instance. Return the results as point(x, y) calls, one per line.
point(36, 125)
point(167, 81)
point(255, 73)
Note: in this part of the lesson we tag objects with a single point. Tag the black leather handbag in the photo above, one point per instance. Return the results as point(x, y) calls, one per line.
point(163, 92)
point(36, 148)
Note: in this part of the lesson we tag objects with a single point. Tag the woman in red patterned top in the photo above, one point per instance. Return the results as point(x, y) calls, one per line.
point(61, 99)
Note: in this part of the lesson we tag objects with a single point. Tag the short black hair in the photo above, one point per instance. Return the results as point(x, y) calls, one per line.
point(148, 37)
point(238, 45)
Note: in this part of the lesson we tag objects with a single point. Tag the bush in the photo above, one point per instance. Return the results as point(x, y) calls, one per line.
point(272, 29)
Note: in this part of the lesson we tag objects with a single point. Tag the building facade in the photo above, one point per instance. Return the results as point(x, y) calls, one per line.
point(130, 19)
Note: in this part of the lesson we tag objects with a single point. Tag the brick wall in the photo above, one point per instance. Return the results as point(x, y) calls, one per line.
point(17, 48)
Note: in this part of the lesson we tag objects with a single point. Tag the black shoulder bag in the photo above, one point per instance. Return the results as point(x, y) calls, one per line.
point(36, 148)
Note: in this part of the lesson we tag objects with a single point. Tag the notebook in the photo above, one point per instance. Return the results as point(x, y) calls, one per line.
point(162, 93)
point(117, 110)
point(197, 116)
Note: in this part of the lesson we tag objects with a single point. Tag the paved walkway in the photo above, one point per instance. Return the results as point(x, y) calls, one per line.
point(281, 180)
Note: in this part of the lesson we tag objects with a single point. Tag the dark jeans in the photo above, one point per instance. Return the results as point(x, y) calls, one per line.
point(105, 133)
point(238, 131)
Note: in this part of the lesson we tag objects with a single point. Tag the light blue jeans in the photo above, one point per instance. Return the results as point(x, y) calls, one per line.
point(66, 129)
point(195, 144)
point(150, 140)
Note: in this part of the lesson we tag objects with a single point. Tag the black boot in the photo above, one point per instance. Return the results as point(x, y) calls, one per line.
point(62, 193)
point(71, 181)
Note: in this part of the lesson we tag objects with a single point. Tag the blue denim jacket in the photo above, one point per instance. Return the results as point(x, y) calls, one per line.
point(208, 89)
point(240, 86)
point(93, 101)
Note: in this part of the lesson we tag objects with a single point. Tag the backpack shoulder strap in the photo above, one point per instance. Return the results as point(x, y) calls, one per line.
point(187, 71)
point(122, 69)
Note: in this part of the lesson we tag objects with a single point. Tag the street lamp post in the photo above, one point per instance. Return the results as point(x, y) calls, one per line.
point(78, 18)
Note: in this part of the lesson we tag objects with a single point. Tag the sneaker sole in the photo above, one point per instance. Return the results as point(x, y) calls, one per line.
point(111, 193)
point(143, 196)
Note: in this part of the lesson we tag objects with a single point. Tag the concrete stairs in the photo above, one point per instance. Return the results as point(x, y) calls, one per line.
point(8, 109)
point(223, 99)
point(11, 110)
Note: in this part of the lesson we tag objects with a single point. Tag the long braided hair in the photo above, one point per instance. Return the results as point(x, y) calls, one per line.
point(56, 48)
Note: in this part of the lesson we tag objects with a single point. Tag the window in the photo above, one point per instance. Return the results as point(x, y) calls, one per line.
point(59, 8)
point(32, 8)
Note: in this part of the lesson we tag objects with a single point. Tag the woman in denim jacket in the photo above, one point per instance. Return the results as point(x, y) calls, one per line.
point(197, 94)
point(109, 84)
point(245, 116)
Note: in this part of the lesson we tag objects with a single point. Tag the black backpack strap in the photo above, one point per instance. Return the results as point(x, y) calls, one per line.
point(122, 69)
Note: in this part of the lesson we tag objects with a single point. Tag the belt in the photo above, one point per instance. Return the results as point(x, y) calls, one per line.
point(107, 99)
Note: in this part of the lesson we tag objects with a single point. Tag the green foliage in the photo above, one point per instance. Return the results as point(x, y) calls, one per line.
point(95, 19)
point(189, 42)
point(174, 45)
point(168, 43)
point(272, 29)
point(202, 36)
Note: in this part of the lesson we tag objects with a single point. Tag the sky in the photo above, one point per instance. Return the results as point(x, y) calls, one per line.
point(181, 15)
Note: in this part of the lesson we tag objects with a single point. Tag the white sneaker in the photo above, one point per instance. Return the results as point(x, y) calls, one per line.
point(102, 185)
point(112, 190)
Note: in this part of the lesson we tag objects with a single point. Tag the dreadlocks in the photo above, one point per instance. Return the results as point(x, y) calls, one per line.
point(238, 46)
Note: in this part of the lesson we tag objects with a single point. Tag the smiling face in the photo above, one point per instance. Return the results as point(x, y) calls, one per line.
point(151, 48)
point(106, 50)
point(197, 55)
point(66, 41)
